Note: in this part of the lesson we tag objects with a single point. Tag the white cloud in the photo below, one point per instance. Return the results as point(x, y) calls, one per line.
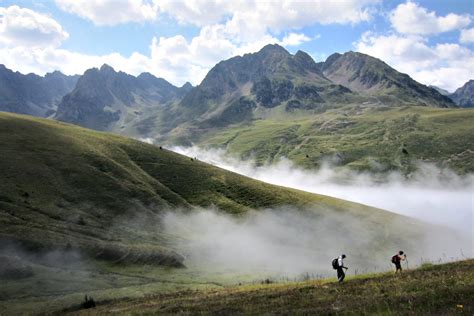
point(447, 66)
point(294, 39)
point(276, 15)
point(174, 58)
point(111, 12)
point(46, 59)
point(467, 36)
point(189, 60)
point(227, 28)
point(410, 18)
point(198, 12)
point(24, 27)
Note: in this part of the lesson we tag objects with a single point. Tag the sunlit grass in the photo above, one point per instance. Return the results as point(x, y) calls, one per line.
point(362, 139)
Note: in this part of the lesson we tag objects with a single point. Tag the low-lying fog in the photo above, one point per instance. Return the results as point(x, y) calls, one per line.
point(291, 242)
point(271, 242)
point(432, 195)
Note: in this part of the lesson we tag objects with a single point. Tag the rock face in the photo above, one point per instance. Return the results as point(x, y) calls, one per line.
point(372, 77)
point(32, 94)
point(256, 82)
point(464, 96)
point(104, 99)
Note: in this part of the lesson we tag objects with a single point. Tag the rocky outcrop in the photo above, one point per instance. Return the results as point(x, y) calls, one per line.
point(464, 96)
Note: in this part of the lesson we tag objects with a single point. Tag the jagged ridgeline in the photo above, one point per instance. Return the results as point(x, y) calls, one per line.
point(271, 83)
point(352, 110)
point(68, 188)
point(274, 84)
point(32, 94)
point(104, 99)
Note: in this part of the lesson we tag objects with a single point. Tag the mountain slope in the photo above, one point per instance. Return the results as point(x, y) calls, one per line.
point(360, 138)
point(104, 99)
point(64, 186)
point(372, 77)
point(430, 290)
point(82, 212)
point(464, 96)
point(440, 90)
point(271, 82)
point(32, 94)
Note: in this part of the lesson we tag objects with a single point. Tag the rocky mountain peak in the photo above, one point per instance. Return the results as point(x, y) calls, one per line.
point(55, 73)
point(464, 96)
point(33, 94)
point(368, 75)
point(306, 62)
point(106, 68)
point(273, 49)
point(187, 85)
point(147, 76)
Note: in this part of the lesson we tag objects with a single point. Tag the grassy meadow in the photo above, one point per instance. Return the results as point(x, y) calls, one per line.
point(377, 139)
point(445, 289)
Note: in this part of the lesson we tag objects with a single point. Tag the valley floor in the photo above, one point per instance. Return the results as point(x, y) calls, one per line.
point(429, 290)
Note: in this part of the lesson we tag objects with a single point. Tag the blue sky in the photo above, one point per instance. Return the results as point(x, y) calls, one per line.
point(432, 41)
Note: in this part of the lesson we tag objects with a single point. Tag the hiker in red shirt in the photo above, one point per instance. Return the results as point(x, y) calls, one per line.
point(397, 259)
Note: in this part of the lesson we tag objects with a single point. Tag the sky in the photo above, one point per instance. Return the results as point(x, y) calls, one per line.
point(431, 40)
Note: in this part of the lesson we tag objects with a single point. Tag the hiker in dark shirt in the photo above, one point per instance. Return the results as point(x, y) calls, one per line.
point(397, 260)
point(338, 264)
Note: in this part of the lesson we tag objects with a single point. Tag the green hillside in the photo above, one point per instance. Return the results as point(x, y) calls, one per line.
point(64, 186)
point(81, 212)
point(375, 139)
point(431, 290)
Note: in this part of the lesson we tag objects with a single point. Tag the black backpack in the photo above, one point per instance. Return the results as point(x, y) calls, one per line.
point(335, 263)
point(395, 259)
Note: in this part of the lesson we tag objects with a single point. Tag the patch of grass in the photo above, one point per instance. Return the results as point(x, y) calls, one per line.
point(364, 139)
point(445, 289)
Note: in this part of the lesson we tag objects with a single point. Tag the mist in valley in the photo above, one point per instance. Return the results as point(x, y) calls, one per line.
point(272, 242)
point(432, 195)
point(288, 241)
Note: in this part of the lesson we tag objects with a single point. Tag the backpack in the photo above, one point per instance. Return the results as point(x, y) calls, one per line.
point(335, 263)
point(395, 259)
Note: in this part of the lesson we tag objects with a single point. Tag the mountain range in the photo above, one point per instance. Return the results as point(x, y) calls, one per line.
point(104, 99)
point(253, 93)
point(243, 87)
point(272, 83)
point(32, 94)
